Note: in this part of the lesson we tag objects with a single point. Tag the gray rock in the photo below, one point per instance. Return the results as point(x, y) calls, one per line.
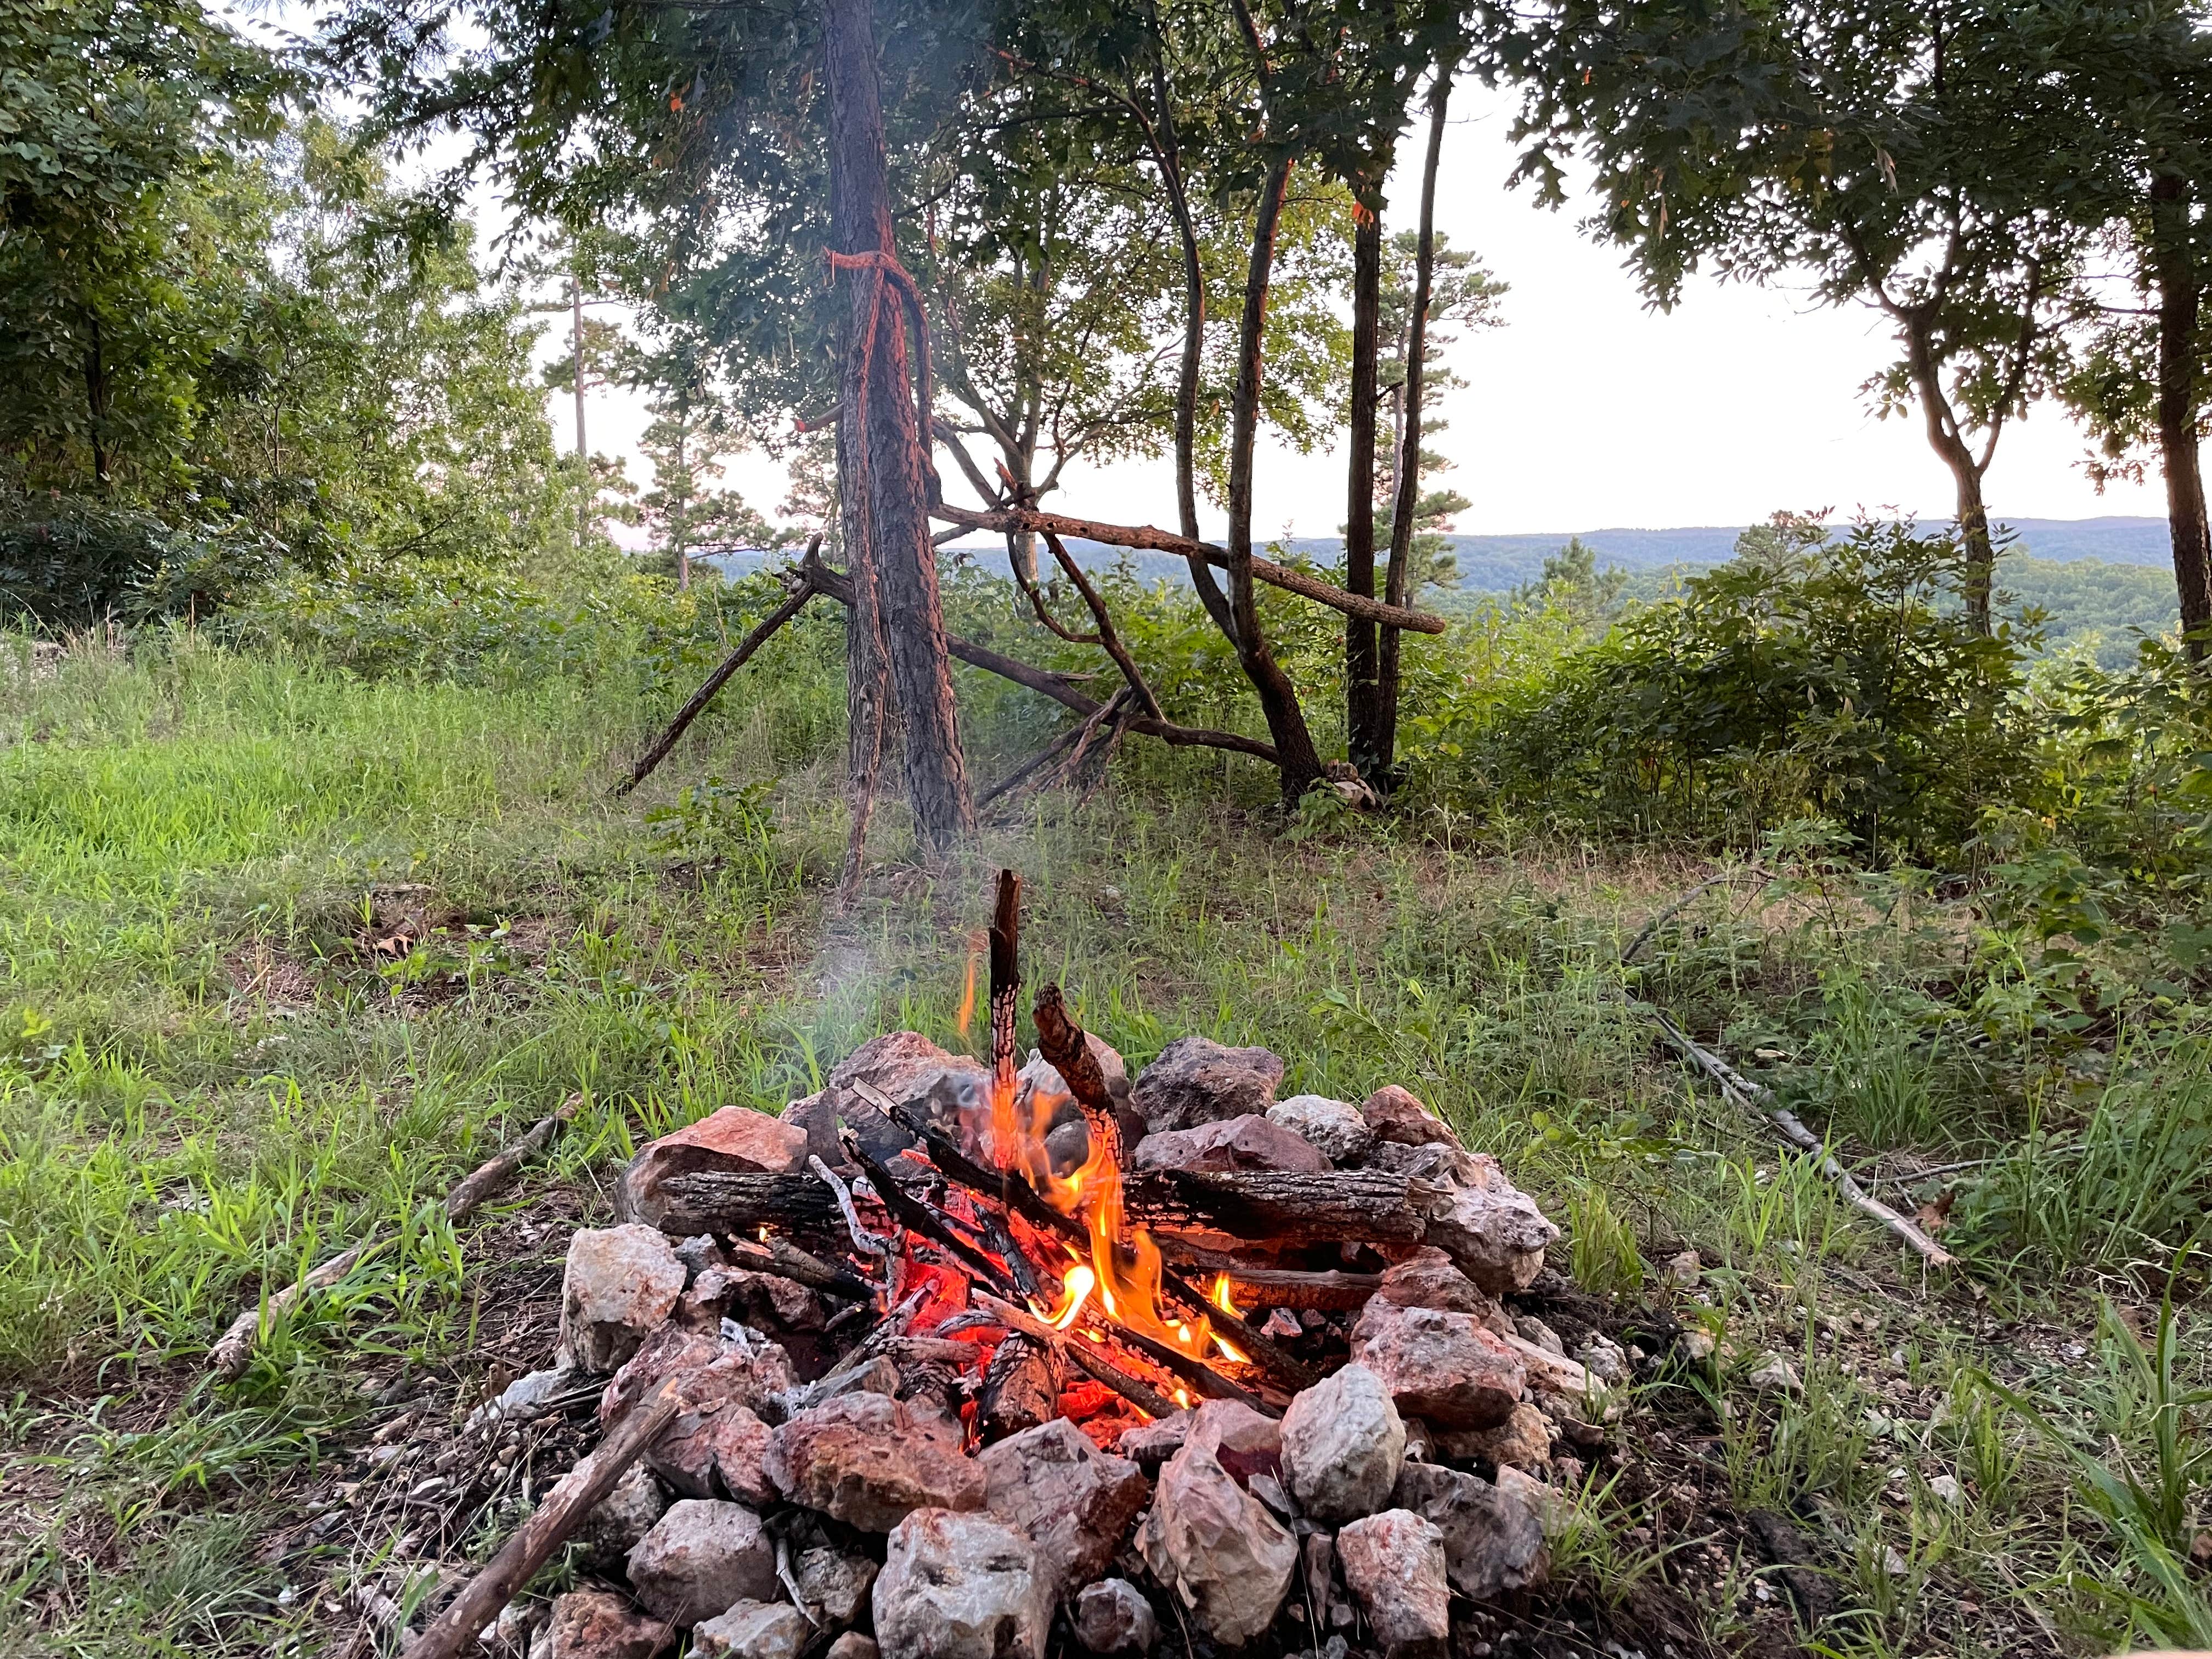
point(621, 1283)
point(876, 1375)
point(1210, 1542)
point(1493, 1537)
point(1603, 1359)
point(1074, 1502)
point(700, 1558)
point(1334, 1127)
point(1250, 1142)
point(1491, 1229)
point(870, 1461)
point(960, 1587)
point(1148, 1445)
point(1530, 1328)
point(1441, 1366)
point(1394, 1563)
point(1396, 1114)
point(1196, 1080)
point(1112, 1616)
point(699, 1253)
point(752, 1630)
point(909, 1068)
point(834, 1584)
point(715, 1451)
point(528, 1397)
point(1342, 1443)
point(1522, 1441)
point(599, 1625)
point(623, 1516)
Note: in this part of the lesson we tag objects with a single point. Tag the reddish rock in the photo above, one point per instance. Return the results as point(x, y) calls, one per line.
point(599, 1625)
point(620, 1286)
point(870, 1461)
point(716, 1367)
point(1491, 1229)
point(1396, 1114)
point(700, 1558)
point(1493, 1536)
point(715, 1451)
point(1522, 1441)
point(735, 1138)
point(1209, 1540)
point(1112, 1616)
point(1196, 1080)
point(1236, 1143)
point(1067, 1498)
point(1441, 1366)
point(1393, 1562)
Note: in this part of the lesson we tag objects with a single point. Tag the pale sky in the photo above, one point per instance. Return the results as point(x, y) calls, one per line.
point(1585, 410)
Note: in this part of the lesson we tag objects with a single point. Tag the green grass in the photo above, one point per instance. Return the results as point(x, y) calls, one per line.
point(211, 1077)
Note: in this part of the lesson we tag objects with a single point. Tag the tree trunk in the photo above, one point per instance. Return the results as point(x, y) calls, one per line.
point(888, 444)
point(1969, 513)
point(1409, 440)
point(1167, 155)
point(1362, 672)
point(2175, 270)
point(1278, 700)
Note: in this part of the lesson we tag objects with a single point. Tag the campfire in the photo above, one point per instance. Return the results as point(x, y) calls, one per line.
point(951, 1351)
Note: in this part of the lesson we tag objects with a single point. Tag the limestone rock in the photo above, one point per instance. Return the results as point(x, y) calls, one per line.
point(1342, 1443)
point(1074, 1502)
point(1396, 1114)
point(723, 1364)
point(1491, 1229)
point(1552, 1374)
point(599, 1625)
point(1148, 1445)
point(1250, 1142)
point(871, 1460)
point(1334, 1127)
point(1522, 1441)
point(700, 1558)
point(625, 1514)
point(1427, 1279)
point(1195, 1080)
point(854, 1645)
point(1208, 1539)
point(1394, 1563)
point(1112, 1616)
point(960, 1587)
point(1493, 1537)
point(1441, 1366)
point(834, 1584)
point(715, 1451)
point(622, 1284)
point(735, 1138)
point(909, 1068)
point(752, 1630)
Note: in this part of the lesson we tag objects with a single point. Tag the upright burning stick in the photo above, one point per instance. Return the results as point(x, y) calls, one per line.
point(1005, 983)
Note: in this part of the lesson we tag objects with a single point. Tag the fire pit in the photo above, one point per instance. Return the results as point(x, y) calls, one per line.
point(952, 1351)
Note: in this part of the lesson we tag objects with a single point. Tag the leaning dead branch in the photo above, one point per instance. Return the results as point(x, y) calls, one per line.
point(1755, 1097)
point(233, 1350)
point(1151, 539)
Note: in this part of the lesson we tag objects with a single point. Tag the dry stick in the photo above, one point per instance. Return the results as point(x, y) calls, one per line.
point(1663, 917)
point(573, 1497)
point(917, 1216)
point(751, 642)
point(1151, 537)
point(1051, 750)
point(233, 1350)
point(787, 1260)
point(863, 1241)
point(1005, 984)
point(1145, 1398)
point(1754, 1098)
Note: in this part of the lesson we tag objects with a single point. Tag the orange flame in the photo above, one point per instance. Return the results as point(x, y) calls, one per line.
point(968, 993)
point(1078, 1287)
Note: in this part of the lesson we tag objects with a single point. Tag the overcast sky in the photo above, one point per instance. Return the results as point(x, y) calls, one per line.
point(1586, 410)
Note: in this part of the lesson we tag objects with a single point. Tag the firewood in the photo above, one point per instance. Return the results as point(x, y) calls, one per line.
point(1079, 1353)
point(572, 1500)
point(1021, 1387)
point(917, 1216)
point(1061, 1039)
point(782, 1257)
point(1005, 981)
point(1327, 1290)
point(725, 1201)
point(1283, 1207)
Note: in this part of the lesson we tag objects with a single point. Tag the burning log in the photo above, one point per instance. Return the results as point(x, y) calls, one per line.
point(781, 1255)
point(916, 1216)
point(1078, 1354)
point(1285, 1208)
point(1329, 1291)
point(1021, 1387)
point(1005, 982)
point(1061, 1039)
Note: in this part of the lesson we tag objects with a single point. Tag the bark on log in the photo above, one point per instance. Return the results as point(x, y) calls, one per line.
point(1078, 1354)
point(573, 1497)
point(1005, 987)
point(1273, 1206)
point(1328, 1290)
point(1021, 1389)
point(719, 1201)
point(785, 1259)
point(1060, 1040)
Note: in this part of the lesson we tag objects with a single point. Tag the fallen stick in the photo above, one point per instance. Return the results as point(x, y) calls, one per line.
point(573, 1497)
point(1755, 1097)
point(783, 1258)
point(233, 1350)
point(673, 733)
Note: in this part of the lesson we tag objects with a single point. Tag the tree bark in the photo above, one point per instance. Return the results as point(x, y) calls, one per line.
point(1362, 671)
point(1409, 442)
point(1969, 513)
point(885, 441)
point(2174, 269)
point(1300, 765)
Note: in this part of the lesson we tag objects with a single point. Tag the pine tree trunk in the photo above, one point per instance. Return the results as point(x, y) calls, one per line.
point(2175, 272)
point(1300, 765)
point(1362, 708)
point(1969, 513)
point(879, 423)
